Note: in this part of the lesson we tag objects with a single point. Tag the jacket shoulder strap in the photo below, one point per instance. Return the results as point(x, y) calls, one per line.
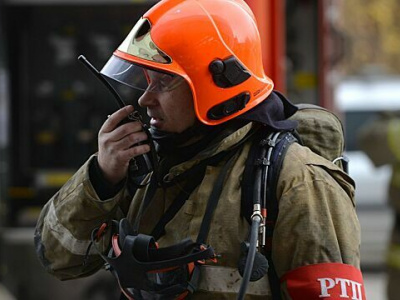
point(277, 151)
point(272, 205)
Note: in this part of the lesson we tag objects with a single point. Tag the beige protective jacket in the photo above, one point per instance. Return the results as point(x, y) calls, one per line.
point(317, 221)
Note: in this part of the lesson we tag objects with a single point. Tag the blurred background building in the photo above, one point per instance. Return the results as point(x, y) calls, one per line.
point(343, 55)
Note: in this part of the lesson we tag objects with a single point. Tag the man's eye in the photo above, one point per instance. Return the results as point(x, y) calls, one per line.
point(161, 82)
point(165, 81)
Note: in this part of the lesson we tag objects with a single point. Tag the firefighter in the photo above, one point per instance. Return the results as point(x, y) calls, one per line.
point(199, 65)
point(385, 132)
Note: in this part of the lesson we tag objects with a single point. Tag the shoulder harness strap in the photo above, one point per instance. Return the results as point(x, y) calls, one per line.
point(277, 145)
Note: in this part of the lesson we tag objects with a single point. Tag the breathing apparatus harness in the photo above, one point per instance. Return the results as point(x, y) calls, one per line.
point(143, 270)
point(259, 183)
point(260, 180)
point(173, 272)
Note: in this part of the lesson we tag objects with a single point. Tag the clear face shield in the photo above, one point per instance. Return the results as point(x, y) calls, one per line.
point(140, 78)
point(132, 81)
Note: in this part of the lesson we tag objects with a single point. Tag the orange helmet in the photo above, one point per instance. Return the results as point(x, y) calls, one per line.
point(213, 44)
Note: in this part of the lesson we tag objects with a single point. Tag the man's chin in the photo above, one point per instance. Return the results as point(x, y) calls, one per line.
point(157, 123)
point(160, 128)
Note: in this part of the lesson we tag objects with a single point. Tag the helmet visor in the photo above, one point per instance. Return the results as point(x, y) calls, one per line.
point(139, 77)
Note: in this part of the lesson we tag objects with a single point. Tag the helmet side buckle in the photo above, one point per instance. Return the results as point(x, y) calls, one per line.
point(228, 72)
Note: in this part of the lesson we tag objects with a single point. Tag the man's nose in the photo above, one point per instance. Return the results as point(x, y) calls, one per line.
point(148, 99)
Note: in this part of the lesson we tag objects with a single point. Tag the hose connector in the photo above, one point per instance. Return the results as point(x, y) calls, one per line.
point(257, 212)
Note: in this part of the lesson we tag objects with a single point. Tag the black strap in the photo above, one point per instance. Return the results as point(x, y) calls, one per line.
point(278, 155)
point(279, 149)
point(273, 280)
point(247, 184)
point(159, 229)
point(154, 184)
point(151, 190)
point(196, 175)
point(214, 199)
point(195, 169)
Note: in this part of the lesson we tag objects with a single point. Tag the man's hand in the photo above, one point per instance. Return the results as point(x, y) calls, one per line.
point(115, 145)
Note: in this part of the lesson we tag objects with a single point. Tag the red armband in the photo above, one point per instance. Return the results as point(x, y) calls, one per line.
point(325, 281)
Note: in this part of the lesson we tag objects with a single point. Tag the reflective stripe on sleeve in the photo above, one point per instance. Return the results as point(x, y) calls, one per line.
point(394, 138)
point(64, 236)
point(228, 280)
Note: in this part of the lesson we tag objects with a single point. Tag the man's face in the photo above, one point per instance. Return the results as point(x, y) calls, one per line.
point(172, 110)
